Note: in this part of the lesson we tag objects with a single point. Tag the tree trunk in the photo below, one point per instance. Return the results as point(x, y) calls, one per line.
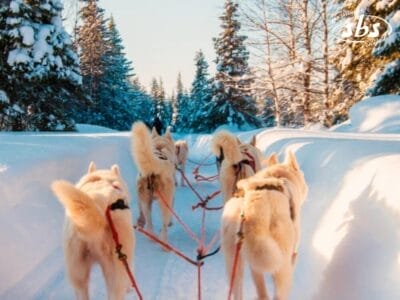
point(307, 64)
point(327, 103)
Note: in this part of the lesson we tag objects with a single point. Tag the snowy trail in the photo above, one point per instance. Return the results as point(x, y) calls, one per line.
point(352, 207)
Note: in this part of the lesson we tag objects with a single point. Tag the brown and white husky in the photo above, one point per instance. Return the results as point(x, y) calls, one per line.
point(235, 160)
point(265, 213)
point(87, 235)
point(155, 158)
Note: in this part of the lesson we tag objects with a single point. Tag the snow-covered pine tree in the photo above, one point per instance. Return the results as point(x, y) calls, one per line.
point(91, 46)
point(7, 113)
point(159, 110)
point(268, 113)
point(387, 81)
point(232, 102)
point(182, 107)
point(39, 70)
point(370, 66)
point(143, 102)
point(200, 96)
point(116, 94)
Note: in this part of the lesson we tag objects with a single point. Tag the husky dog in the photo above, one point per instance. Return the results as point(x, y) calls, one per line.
point(181, 152)
point(155, 158)
point(265, 217)
point(87, 235)
point(235, 160)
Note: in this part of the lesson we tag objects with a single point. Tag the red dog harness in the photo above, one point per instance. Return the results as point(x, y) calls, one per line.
point(250, 161)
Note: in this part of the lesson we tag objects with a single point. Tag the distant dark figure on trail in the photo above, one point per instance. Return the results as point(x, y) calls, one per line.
point(158, 125)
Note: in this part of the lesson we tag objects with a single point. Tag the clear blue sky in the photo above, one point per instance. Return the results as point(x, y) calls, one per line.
point(161, 37)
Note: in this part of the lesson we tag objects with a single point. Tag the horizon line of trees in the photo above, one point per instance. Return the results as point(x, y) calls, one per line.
point(297, 75)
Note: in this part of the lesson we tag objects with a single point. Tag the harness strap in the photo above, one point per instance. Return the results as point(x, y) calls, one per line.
point(281, 189)
point(251, 161)
point(239, 243)
point(120, 204)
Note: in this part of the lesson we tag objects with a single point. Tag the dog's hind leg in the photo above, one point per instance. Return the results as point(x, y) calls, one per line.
point(145, 204)
point(238, 280)
point(168, 197)
point(78, 268)
point(115, 277)
point(145, 196)
point(259, 282)
point(183, 167)
point(283, 280)
point(229, 239)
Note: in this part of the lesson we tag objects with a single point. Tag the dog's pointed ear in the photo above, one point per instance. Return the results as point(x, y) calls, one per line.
point(253, 141)
point(271, 160)
point(292, 161)
point(168, 134)
point(154, 132)
point(239, 142)
point(115, 170)
point(92, 167)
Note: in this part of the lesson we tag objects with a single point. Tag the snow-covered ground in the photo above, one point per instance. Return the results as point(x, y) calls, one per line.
point(350, 247)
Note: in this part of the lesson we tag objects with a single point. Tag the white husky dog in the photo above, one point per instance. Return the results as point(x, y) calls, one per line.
point(265, 217)
point(235, 160)
point(181, 152)
point(155, 158)
point(87, 235)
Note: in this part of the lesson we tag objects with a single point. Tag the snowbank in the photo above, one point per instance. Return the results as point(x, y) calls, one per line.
point(350, 246)
point(379, 114)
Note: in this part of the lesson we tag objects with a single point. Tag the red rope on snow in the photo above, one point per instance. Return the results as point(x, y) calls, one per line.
point(236, 258)
point(121, 256)
point(203, 202)
point(185, 227)
point(198, 177)
point(166, 245)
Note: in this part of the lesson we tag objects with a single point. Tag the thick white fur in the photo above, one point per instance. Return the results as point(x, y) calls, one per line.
point(87, 237)
point(145, 144)
point(234, 152)
point(270, 235)
point(182, 152)
point(146, 149)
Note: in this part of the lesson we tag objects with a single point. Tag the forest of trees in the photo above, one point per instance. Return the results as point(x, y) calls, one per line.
point(278, 63)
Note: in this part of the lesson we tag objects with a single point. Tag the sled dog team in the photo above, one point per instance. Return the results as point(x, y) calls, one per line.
point(261, 211)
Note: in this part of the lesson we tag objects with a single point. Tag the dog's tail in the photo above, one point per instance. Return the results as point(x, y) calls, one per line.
point(142, 150)
point(226, 145)
point(80, 208)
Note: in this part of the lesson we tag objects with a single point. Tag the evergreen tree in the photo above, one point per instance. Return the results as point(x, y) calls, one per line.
point(268, 113)
point(200, 96)
point(143, 102)
point(369, 66)
point(182, 107)
point(232, 102)
point(39, 71)
point(91, 43)
point(388, 48)
point(159, 109)
point(116, 93)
